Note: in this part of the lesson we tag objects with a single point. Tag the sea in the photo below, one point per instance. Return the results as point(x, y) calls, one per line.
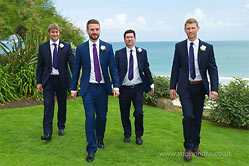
point(232, 57)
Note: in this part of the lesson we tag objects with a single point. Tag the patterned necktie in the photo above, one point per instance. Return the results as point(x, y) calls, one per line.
point(192, 61)
point(55, 56)
point(96, 64)
point(131, 63)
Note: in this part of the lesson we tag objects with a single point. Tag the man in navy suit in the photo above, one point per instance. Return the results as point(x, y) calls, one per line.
point(54, 77)
point(96, 59)
point(134, 78)
point(192, 60)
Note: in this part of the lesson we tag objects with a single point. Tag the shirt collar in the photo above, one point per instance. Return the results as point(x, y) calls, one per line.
point(57, 42)
point(91, 43)
point(196, 42)
point(133, 49)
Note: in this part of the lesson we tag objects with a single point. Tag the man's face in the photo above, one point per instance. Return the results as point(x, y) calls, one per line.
point(54, 34)
point(129, 40)
point(191, 31)
point(93, 31)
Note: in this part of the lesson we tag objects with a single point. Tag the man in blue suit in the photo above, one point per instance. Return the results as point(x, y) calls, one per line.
point(134, 78)
point(54, 77)
point(96, 59)
point(192, 60)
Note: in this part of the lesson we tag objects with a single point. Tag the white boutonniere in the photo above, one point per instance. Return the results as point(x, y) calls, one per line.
point(102, 48)
point(203, 48)
point(139, 49)
point(61, 45)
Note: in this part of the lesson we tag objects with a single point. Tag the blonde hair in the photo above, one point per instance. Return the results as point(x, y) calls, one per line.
point(191, 21)
point(53, 26)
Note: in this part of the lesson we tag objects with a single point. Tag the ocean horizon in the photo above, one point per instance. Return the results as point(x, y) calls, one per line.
point(231, 57)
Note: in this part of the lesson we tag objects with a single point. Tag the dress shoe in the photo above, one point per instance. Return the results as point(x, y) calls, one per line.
point(197, 152)
point(47, 137)
point(127, 139)
point(188, 155)
point(100, 144)
point(61, 132)
point(139, 141)
point(90, 157)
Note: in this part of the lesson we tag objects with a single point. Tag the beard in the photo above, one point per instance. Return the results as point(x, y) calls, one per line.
point(94, 36)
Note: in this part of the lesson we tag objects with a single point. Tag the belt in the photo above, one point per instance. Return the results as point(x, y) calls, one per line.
point(196, 82)
point(131, 86)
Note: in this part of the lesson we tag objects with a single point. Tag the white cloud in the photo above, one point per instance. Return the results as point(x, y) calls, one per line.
point(121, 22)
point(197, 14)
point(247, 4)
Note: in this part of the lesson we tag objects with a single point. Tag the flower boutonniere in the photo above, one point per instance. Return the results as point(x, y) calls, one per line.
point(203, 48)
point(139, 49)
point(61, 45)
point(102, 48)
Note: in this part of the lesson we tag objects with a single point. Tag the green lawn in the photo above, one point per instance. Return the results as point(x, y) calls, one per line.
point(21, 128)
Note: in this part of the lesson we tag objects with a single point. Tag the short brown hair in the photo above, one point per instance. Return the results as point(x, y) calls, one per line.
point(130, 31)
point(53, 26)
point(92, 21)
point(191, 21)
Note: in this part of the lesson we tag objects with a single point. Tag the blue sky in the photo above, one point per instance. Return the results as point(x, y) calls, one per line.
point(160, 20)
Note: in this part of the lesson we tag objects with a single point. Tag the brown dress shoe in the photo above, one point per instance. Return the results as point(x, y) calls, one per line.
point(197, 152)
point(188, 155)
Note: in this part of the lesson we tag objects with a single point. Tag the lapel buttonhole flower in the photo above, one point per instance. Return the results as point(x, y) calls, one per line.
point(102, 48)
point(61, 45)
point(139, 49)
point(203, 48)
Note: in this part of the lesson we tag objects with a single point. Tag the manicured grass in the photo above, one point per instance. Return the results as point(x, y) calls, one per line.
point(21, 128)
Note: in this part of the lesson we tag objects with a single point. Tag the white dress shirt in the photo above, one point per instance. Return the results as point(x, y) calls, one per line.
point(136, 77)
point(54, 71)
point(92, 73)
point(197, 71)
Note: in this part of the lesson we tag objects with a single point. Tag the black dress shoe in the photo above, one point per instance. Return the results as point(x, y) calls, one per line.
point(188, 155)
point(127, 139)
point(197, 152)
point(61, 132)
point(100, 144)
point(139, 141)
point(47, 137)
point(90, 157)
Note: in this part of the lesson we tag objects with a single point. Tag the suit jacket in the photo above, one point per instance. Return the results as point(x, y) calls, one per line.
point(180, 67)
point(143, 66)
point(106, 58)
point(44, 66)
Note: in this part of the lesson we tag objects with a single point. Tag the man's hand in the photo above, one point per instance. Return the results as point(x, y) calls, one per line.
point(39, 87)
point(213, 95)
point(151, 91)
point(172, 93)
point(115, 93)
point(74, 95)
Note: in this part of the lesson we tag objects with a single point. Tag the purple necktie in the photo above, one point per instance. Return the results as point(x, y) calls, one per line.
point(130, 73)
point(55, 56)
point(192, 61)
point(96, 64)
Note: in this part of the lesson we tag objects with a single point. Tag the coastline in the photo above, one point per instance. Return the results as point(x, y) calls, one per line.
point(222, 80)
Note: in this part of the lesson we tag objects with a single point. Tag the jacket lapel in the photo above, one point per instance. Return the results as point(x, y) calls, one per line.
point(185, 48)
point(87, 53)
point(199, 53)
point(59, 50)
point(100, 53)
point(138, 58)
point(49, 52)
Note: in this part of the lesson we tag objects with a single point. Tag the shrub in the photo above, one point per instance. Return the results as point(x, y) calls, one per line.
point(7, 86)
point(162, 87)
point(232, 105)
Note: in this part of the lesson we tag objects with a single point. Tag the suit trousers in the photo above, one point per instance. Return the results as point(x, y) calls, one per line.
point(192, 106)
point(54, 87)
point(134, 94)
point(95, 102)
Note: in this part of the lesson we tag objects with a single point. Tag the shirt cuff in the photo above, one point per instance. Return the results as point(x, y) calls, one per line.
point(117, 89)
point(152, 86)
